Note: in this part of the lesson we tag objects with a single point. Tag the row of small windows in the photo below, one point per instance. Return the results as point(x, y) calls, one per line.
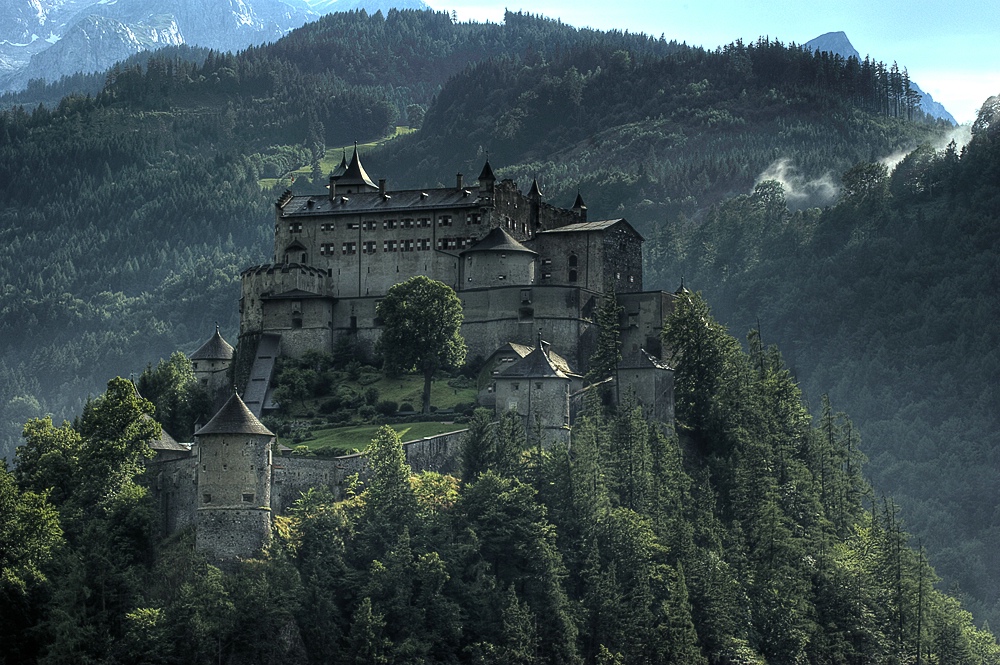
point(388, 224)
point(405, 245)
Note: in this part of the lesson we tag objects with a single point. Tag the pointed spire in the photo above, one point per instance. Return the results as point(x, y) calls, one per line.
point(355, 174)
point(216, 348)
point(234, 418)
point(579, 201)
point(535, 192)
point(487, 173)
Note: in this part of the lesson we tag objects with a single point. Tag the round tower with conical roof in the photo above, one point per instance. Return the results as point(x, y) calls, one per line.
point(211, 364)
point(234, 484)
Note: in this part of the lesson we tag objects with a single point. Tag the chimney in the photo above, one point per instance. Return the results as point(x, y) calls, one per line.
point(458, 181)
point(381, 186)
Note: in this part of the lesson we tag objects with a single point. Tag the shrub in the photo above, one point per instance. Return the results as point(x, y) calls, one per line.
point(406, 407)
point(387, 407)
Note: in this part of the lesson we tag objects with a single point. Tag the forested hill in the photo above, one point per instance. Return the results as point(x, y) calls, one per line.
point(751, 538)
point(887, 301)
point(129, 214)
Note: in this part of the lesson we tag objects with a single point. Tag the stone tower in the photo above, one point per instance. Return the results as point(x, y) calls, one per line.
point(234, 484)
point(538, 392)
point(211, 366)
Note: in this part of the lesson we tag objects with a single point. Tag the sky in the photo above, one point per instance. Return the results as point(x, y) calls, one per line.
point(951, 48)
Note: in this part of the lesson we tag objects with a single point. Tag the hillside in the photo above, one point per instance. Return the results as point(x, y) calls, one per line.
point(888, 302)
point(129, 214)
point(751, 538)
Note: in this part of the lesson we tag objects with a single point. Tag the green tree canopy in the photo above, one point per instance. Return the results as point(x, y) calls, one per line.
point(421, 318)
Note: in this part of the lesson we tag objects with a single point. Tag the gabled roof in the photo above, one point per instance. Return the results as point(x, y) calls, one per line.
point(234, 418)
point(215, 348)
point(535, 365)
point(584, 227)
point(356, 174)
point(522, 351)
point(165, 442)
point(498, 240)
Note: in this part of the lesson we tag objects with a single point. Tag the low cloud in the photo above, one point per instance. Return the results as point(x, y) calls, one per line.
point(801, 192)
point(960, 135)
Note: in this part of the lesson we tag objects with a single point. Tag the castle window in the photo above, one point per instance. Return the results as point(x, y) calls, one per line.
point(326, 227)
point(473, 218)
point(406, 224)
point(349, 248)
point(295, 227)
point(424, 244)
point(406, 245)
point(424, 222)
point(572, 275)
point(206, 498)
point(389, 224)
point(444, 220)
point(388, 245)
point(573, 260)
point(297, 322)
point(538, 385)
point(368, 247)
point(195, 365)
point(369, 225)
point(618, 275)
point(526, 295)
point(354, 225)
point(247, 498)
point(326, 249)
point(515, 386)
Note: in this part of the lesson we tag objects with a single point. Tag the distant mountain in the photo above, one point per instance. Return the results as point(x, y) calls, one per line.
point(838, 43)
point(49, 39)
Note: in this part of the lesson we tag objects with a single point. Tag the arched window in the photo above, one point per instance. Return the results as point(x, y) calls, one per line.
point(572, 260)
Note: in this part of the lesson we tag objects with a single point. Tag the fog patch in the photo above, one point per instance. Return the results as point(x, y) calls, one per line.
point(960, 134)
point(800, 192)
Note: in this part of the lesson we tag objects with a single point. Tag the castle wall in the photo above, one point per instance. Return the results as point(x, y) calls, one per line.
point(212, 375)
point(173, 484)
point(541, 402)
point(650, 387)
point(499, 315)
point(622, 256)
point(231, 533)
point(270, 279)
point(488, 269)
point(643, 316)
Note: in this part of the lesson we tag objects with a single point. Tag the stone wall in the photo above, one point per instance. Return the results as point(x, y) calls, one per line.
point(231, 533)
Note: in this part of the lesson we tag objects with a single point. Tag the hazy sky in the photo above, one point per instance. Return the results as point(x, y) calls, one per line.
point(950, 47)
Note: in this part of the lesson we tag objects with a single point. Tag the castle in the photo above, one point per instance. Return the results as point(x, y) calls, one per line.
point(524, 270)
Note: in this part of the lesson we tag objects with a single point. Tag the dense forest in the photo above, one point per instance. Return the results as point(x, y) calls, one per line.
point(130, 211)
point(751, 537)
point(888, 301)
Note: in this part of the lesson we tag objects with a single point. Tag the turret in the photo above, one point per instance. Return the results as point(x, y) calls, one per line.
point(355, 178)
point(535, 198)
point(234, 484)
point(487, 184)
point(580, 208)
point(211, 364)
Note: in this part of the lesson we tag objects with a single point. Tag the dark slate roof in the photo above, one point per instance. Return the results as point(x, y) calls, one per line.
point(355, 174)
point(535, 365)
point(589, 227)
point(535, 190)
point(294, 294)
point(579, 201)
point(234, 418)
point(487, 173)
point(498, 240)
point(214, 349)
point(165, 442)
point(641, 359)
point(342, 169)
point(399, 202)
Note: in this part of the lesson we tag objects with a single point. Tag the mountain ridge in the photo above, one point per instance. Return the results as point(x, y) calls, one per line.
point(839, 44)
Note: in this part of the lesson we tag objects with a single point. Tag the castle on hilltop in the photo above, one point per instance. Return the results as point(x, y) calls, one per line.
point(524, 270)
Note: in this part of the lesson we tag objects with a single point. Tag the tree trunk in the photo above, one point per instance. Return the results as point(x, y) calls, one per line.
point(428, 375)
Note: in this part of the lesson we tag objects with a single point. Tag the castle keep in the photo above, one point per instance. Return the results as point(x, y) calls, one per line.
point(525, 271)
